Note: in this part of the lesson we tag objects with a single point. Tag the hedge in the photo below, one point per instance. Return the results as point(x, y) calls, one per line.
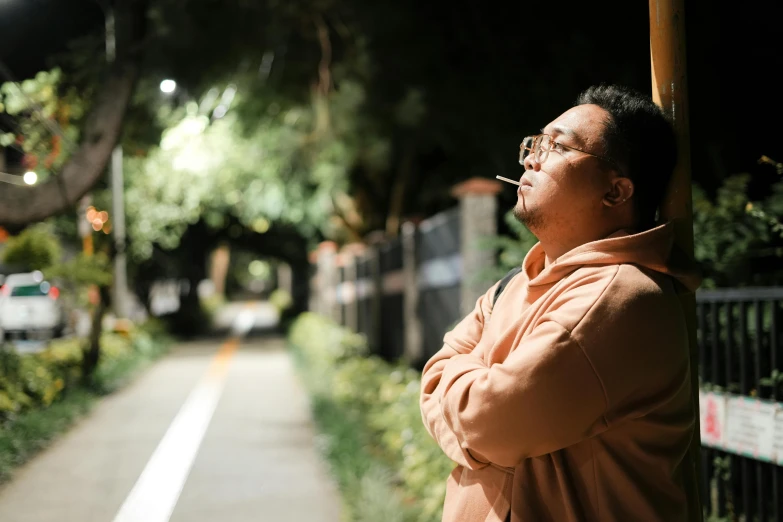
point(386, 464)
point(41, 394)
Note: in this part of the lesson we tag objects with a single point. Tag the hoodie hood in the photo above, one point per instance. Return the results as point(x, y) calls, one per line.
point(653, 249)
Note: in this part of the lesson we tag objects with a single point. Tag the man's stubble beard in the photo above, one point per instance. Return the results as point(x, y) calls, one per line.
point(532, 219)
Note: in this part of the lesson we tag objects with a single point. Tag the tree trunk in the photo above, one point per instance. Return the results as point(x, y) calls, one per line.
point(92, 351)
point(22, 205)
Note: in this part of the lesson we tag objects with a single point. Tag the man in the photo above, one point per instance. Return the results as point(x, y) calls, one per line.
point(568, 399)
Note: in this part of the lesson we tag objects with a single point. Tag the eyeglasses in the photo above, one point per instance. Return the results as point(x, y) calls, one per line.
point(542, 144)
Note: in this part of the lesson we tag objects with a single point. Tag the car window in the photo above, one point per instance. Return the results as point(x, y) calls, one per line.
point(30, 290)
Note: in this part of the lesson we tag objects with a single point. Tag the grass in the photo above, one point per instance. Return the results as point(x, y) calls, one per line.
point(368, 485)
point(34, 430)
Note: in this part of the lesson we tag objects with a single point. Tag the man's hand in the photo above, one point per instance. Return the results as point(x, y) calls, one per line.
point(461, 340)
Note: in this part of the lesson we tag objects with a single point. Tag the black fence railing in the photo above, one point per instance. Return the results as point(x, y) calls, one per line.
point(742, 433)
point(392, 318)
point(364, 275)
point(439, 269)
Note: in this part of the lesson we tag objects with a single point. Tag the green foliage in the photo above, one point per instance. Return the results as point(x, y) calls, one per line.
point(728, 236)
point(368, 411)
point(511, 249)
point(770, 211)
point(84, 270)
point(32, 381)
point(36, 248)
point(41, 394)
point(40, 106)
point(283, 168)
point(33, 430)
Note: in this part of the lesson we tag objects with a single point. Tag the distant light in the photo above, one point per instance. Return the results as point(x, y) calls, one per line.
point(30, 177)
point(168, 86)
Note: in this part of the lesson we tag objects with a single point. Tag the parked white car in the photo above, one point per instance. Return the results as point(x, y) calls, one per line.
point(30, 307)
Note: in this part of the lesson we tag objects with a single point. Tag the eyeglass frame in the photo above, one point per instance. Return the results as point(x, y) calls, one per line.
point(523, 148)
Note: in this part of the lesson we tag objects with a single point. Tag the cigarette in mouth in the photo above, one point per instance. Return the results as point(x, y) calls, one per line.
point(507, 180)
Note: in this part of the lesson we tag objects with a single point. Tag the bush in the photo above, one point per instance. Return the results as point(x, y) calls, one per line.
point(34, 249)
point(386, 463)
point(37, 380)
point(41, 395)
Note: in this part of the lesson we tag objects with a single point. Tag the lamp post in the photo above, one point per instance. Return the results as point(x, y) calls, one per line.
point(116, 183)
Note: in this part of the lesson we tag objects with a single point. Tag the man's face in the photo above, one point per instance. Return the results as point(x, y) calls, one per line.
point(569, 186)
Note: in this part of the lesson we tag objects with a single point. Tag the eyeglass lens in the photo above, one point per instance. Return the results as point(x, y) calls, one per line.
point(537, 145)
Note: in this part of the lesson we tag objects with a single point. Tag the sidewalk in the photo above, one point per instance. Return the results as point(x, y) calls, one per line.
point(256, 461)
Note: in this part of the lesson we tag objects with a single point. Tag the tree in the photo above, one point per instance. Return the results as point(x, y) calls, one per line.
point(34, 249)
point(22, 205)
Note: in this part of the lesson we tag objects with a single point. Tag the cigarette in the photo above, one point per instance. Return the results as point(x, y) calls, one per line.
point(507, 180)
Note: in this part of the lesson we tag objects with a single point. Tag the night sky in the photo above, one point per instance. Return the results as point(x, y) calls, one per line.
point(31, 31)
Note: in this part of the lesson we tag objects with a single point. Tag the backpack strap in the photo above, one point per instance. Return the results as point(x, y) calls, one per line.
point(504, 282)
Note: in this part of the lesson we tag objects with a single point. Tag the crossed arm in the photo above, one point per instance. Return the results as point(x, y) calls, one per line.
point(543, 397)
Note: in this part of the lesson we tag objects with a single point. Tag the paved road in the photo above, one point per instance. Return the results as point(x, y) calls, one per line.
point(211, 433)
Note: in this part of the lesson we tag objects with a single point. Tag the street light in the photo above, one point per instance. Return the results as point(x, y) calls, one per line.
point(30, 177)
point(168, 86)
point(121, 298)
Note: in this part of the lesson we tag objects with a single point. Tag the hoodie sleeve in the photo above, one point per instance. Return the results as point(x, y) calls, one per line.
point(543, 397)
point(461, 340)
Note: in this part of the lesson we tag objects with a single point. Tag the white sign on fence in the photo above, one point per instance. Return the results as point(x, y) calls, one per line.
point(742, 425)
point(713, 418)
point(778, 442)
point(750, 428)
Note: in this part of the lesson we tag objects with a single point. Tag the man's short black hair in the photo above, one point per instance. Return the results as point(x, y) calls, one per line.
point(640, 138)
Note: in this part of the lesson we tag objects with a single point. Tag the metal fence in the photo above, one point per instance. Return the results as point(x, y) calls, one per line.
point(740, 353)
point(378, 289)
point(364, 276)
point(440, 275)
point(392, 327)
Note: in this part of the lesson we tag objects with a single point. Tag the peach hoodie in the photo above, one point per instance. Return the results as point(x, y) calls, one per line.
point(570, 400)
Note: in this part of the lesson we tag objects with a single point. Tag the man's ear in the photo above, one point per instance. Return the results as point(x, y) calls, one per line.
point(621, 191)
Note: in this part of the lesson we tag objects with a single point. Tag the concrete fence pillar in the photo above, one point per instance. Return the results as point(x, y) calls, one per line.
point(478, 219)
point(349, 290)
point(413, 328)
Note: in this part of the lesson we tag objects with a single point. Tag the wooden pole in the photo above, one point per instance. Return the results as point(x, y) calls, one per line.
point(670, 91)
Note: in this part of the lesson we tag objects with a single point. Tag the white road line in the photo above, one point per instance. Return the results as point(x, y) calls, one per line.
point(157, 490)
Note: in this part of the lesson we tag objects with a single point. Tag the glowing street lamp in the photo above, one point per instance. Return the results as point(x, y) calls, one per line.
point(168, 86)
point(30, 177)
